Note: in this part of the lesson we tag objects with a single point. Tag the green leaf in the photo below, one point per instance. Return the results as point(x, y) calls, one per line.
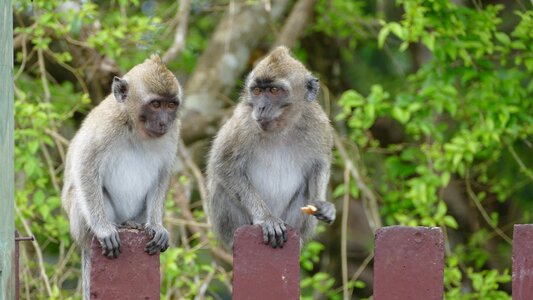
point(449, 221)
point(429, 41)
point(502, 38)
point(382, 36)
point(400, 114)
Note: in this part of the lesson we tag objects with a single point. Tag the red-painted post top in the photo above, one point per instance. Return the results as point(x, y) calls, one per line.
point(408, 263)
point(523, 262)
point(133, 275)
point(262, 272)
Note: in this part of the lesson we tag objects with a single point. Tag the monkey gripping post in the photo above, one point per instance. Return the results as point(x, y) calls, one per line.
point(133, 275)
point(262, 272)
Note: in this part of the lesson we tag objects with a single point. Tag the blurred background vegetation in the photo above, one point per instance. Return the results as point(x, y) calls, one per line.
point(431, 101)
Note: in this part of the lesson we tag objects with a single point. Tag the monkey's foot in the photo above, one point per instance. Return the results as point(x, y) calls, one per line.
point(325, 211)
point(159, 239)
point(131, 225)
point(110, 242)
point(274, 231)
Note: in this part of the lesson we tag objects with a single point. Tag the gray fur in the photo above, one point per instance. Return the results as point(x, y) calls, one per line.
point(264, 174)
point(115, 174)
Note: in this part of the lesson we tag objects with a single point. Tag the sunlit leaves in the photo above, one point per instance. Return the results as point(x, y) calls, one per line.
point(336, 19)
point(361, 112)
point(459, 110)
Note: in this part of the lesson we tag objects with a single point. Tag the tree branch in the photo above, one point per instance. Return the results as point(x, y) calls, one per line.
point(301, 15)
point(181, 31)
point(372, 210)
point(227, 55)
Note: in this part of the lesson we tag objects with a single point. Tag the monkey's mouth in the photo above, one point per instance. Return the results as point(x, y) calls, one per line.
point(155, 133)
point(267, 125)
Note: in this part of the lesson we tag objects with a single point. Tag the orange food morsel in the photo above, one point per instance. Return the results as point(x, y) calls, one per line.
point(309, 209)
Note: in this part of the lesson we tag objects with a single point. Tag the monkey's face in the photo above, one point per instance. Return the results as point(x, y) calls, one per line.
point(151, 95)
point(270, 102)
point(158, 115)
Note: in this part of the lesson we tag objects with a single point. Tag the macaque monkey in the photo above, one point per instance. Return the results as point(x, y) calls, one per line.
point(273, 156)
point(119, 162)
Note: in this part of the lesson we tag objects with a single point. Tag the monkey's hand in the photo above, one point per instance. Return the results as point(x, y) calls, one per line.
point(325, 211)
point(110, 242)
point(159, 239)
point(274, 231)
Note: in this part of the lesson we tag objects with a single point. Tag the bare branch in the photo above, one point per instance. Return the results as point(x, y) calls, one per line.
point(371, 207)
point(344, 231)
point(227, 55)
point(198, 126)
point(360, 270)
point(520, 163)
point(483, 212)
point(200, 180)
point(300, 16)
point(181, 31)
point(38, 251)
point(186, 213)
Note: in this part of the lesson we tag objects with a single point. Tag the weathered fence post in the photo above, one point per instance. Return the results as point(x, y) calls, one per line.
point(262, 272)
point(133, 275)
point(523, 262)
point(7, 176)
point(408, 263)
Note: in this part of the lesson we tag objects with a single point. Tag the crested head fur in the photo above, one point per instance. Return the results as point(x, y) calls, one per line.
point(155, 76)
point(281, 63)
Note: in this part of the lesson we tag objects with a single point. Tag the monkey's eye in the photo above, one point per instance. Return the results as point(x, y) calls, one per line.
point(172, 105)
point(256, 91)
point(155, 104)
point(274, 90)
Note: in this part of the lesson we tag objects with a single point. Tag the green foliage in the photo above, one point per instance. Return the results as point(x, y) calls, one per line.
point(57, 35)
point(485, 283)
point(459, 111)
point(336, 19)
point(319, 283)
point(464, 114)
point(186, 270)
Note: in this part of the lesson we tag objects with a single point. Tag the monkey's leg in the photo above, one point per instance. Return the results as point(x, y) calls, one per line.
point(226, 216)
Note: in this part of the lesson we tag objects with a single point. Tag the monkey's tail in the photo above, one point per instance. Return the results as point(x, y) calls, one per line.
point(86, 272)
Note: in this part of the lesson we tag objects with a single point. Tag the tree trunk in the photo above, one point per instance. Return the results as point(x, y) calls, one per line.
point(224, 61)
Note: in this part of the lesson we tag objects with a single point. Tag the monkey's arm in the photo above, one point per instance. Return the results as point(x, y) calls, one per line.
point(232, 177)
point(318, 182)
point(155, 206)
point(92, 203)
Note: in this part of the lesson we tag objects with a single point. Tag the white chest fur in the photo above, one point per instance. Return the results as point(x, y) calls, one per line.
point(277, 173)
point(129, 177)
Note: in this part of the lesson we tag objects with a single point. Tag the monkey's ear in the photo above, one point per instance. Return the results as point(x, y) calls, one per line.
point(312, 86)
point(120, 89)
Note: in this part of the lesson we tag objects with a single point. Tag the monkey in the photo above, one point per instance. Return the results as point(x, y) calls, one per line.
point(120, 161)
point(272, 156)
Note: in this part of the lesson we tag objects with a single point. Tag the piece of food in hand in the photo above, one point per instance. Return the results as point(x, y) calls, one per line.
point(309, 209)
